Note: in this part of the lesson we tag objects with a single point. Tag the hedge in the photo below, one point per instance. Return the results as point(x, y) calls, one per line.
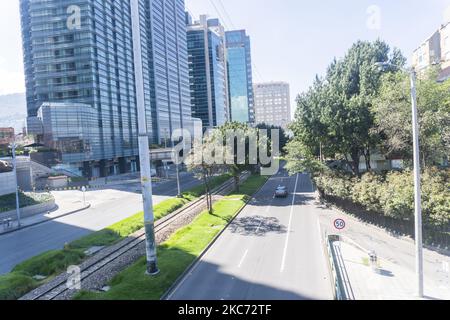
point(392, 194)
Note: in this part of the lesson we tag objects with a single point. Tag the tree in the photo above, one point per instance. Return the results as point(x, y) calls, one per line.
point(394, 120)
point(335, 117)
point(283, 136)
point(200, 162)
point(237, 156)
point(299, 159)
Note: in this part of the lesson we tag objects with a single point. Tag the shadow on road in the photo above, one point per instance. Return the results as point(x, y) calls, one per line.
point(207, 281)
point(257, 225)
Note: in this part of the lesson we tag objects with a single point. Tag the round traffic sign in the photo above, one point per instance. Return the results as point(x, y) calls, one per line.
point(339, 224)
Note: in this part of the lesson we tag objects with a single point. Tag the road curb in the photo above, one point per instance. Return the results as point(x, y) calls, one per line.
point(45, 221)
point(406, 238)
point(209, 246)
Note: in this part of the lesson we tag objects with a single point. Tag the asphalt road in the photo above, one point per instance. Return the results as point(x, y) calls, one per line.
point(108, 207)
point(272, 251)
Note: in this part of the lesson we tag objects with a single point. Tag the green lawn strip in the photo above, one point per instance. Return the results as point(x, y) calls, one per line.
point(52, 263)
point(14, 285)
point(176, 254)
point(8, 202)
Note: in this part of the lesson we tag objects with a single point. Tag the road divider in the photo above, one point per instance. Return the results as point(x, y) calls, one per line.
point(180, 252)
point(49, 264)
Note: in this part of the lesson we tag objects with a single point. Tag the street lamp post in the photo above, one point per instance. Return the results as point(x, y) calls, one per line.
point(417, 188)
point(14, 145)
point(177, 173)
point(417, 182)
point(83, 189)
point(144, 148)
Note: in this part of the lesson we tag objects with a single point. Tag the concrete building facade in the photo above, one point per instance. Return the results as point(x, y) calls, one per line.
point(273, 104)
point(78, 55)
point(240, 76)
point(428, 53)
point(435, 51)
point(208, 71)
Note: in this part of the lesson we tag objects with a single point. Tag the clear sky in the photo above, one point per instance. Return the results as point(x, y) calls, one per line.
point(292, 40)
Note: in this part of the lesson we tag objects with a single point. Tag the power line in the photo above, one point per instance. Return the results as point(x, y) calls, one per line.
point(219, 14)
point(226, 14)
point(257, 73)
point(191, 13)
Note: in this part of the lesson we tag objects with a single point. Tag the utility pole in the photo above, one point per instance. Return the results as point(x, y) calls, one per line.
point(177, 166)
point(417, 187)
point(17, 182)
point(144, 148)
point(417, 183)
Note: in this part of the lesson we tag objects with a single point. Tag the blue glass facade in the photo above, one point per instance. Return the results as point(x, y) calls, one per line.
point(208, 76)
point(240, 77)
point(92, 65)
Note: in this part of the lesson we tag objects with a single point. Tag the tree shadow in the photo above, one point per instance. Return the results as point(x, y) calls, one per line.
point(257, 225)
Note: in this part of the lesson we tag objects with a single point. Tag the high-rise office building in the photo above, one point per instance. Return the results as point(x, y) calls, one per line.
point(79, 57)
point(208, 71)
point(240, 78)
point(273, 104)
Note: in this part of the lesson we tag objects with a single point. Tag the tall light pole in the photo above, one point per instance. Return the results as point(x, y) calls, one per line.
point(144, 148)
point(417, 183)
point(14, 145)
point(177, 156)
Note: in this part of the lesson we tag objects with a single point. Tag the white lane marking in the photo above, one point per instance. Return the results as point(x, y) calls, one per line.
point(259, 227)
point(243, 259)
point(283, 264)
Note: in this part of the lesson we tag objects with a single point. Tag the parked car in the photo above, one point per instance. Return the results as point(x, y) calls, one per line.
point(281, 192)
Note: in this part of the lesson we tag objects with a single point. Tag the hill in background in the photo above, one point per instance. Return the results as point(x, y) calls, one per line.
point(13, 111)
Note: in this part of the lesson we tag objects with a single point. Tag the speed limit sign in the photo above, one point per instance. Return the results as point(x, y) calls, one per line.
point(339, 224)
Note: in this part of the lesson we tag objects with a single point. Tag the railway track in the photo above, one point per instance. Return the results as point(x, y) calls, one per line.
point(59, 286)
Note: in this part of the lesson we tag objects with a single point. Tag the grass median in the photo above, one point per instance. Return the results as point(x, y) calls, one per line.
point(49, 264)
point(176, 254)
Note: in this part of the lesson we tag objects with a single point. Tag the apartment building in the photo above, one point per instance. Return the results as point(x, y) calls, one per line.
point(272, 104)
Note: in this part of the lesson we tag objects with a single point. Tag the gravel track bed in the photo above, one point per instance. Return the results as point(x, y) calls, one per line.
point(101, 277)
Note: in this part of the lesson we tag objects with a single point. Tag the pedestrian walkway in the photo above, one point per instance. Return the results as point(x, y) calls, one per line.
point(383, 280)
point(64, 208)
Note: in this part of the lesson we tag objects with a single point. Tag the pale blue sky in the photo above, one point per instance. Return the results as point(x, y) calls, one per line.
point(292, 40)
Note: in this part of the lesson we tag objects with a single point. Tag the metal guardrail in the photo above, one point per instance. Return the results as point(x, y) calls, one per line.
point(338, 285)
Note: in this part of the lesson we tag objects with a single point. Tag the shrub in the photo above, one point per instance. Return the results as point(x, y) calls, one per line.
point(393, 195)
point(368, 192)
point(397, 199)
point(15, 285)
point(49, 263)
point(335, 184)
point(436, 196)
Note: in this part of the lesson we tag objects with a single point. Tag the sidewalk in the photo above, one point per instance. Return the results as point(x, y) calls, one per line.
point(388, 282)
point(44, 217)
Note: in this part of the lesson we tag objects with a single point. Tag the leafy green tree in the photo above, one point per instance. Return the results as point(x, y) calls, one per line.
point(335, 117)
point(283, 135)
point(394, 119)
point(199, 162)
point(236, 162)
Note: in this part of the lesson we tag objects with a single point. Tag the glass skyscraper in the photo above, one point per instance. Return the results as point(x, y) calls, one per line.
point(240, 77)
point(78, 55)
point(208, 71)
